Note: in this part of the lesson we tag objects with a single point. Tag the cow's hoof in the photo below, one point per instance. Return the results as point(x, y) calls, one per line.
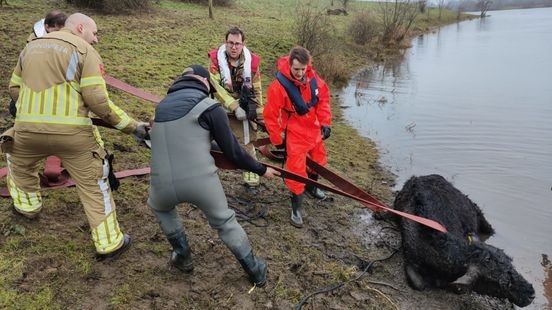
point(414, 278)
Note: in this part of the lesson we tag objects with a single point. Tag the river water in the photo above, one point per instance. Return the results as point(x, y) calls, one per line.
point(473, 102)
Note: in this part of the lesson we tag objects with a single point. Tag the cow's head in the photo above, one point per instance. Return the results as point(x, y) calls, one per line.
point(493, 274)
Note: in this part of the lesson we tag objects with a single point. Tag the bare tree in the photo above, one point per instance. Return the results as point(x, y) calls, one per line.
point(397, 18)
point(345, 2)
point(363, 27)
point(312, 30)
point(211, 9)
point(459, 9)
point(441, 4)
point(483, 6)
point(422, 5)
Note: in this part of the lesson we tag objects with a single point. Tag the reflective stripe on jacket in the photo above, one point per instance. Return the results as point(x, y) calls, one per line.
point(58, 82)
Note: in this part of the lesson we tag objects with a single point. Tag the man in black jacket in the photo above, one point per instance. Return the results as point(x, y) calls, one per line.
point(182, 169)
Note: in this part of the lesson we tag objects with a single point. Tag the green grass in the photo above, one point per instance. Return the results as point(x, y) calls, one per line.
point(122, 295)
point(41, 299)
point(150, 49)
point(48, 264)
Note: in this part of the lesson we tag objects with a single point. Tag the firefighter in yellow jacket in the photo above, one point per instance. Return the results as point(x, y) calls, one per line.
point(56, 84)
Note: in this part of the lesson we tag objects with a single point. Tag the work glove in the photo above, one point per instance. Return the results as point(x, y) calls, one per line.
point(240, 114)
point(245, 96)
point(248, 105)
point(141, 132)
point(325, 131)
point(252, 110)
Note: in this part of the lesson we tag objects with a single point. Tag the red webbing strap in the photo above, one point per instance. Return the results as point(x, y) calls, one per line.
point(120, 85)
point(276, 155)
point(342, 183)
point(332, 177)
point(223, 163)
point(339, 182)
point(355, 191)
point(122, 174)
point(53, 175)
point(261, 142)
point(262, 145)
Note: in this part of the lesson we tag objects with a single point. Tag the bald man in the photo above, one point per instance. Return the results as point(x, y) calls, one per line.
point(83, 26)
point(57, 82)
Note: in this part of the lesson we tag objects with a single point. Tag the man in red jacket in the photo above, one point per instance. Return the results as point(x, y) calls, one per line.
point(298, 117)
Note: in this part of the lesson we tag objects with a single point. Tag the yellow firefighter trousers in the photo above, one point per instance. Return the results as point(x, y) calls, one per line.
point(84, 159)
point(236, 125)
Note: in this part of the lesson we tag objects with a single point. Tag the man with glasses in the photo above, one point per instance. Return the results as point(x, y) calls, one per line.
point(235, 75)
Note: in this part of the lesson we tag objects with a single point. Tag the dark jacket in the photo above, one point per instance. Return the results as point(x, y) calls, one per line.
point(182, 97)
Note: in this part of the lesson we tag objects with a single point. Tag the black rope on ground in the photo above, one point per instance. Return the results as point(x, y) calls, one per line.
point(387, 243)
point(242, 215)
point(366, 268)
point(247, 202)
point(299, 305)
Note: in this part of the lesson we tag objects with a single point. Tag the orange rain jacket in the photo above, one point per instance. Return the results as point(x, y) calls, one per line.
point(302, 133)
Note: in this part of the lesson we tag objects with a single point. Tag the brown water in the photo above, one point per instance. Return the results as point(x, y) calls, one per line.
point(473, 102)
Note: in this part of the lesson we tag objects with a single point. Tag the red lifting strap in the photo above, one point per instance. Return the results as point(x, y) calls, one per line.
point(69, 182)
point(345, 188)
point(367, 200)
point(120, 85)
point(54, 174)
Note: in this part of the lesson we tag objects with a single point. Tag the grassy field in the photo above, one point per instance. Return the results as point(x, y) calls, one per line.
point(49, 263)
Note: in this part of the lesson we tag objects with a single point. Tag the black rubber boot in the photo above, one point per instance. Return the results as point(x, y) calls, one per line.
point(28, 216)
point(296, 218)
point(314, 191)
point(255, 267)
point(181, 256)
point(117, 253)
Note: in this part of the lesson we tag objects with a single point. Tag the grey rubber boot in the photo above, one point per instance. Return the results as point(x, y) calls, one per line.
point(296, 218)
point(314, 191)
point(256, 268)
point(181, 256)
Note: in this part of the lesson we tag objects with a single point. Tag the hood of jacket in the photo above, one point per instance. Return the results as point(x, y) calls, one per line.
point(284, 68)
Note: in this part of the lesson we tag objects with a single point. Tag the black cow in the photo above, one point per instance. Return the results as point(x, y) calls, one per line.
point(458, 260)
